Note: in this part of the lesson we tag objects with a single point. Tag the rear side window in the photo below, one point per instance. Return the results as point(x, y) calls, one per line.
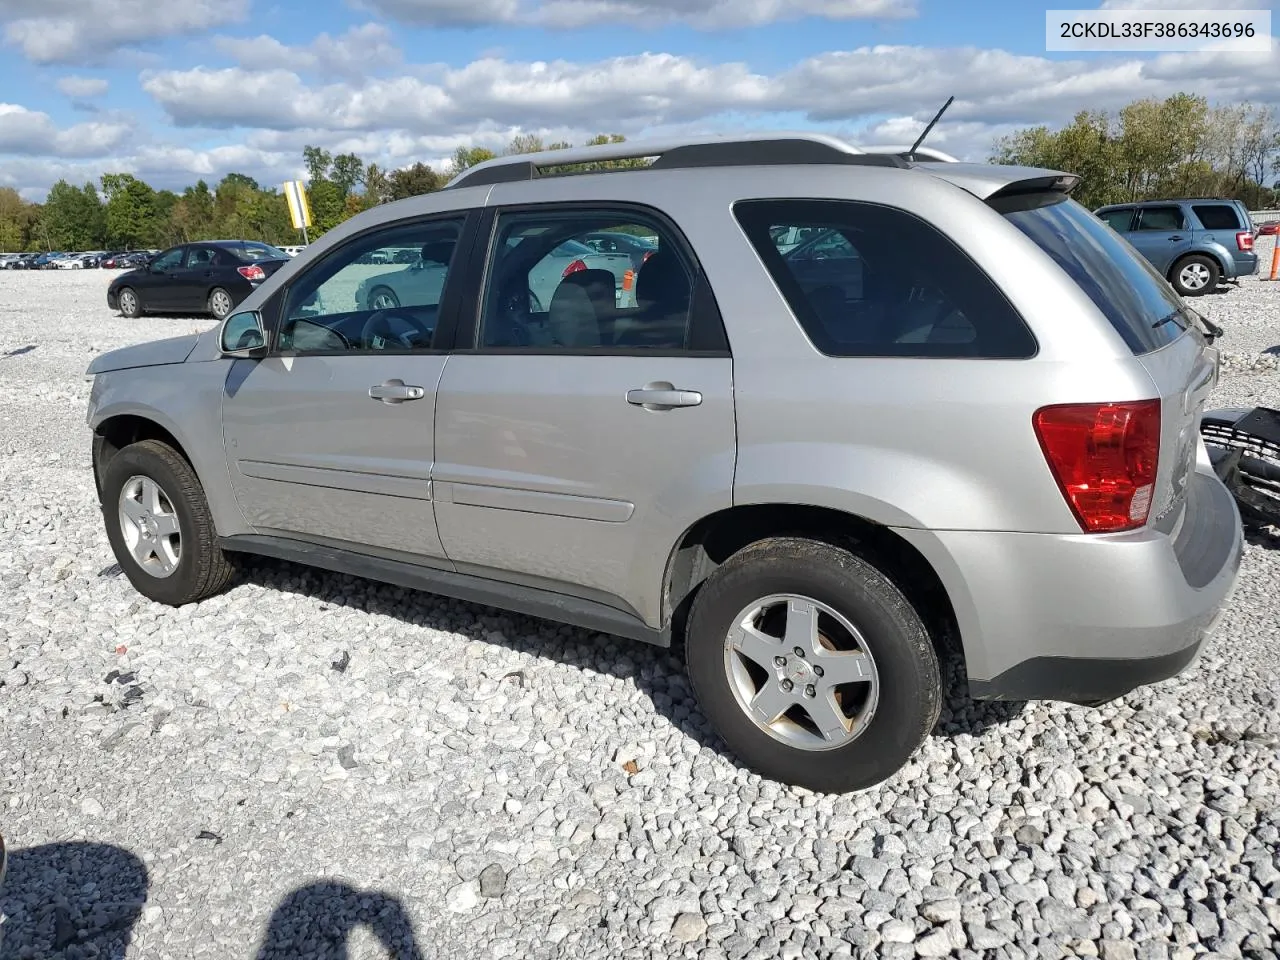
point(1217, 216)
point(866, 280)
point(1160, 218)
point(1139, 303)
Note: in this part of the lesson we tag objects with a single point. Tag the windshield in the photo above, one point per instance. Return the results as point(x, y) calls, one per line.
point(1140, 304)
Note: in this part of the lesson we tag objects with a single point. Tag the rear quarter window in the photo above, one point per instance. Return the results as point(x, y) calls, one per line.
point(1217, 216)
point(866, 280)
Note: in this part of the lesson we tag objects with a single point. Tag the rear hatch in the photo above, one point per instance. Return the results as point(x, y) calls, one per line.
point(1161, 330)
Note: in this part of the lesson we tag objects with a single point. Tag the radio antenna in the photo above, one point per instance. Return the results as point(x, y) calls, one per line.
point(911, 154)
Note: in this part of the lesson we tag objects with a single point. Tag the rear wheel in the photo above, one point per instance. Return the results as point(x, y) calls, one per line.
point(812, 665)
point(1195, 275)
point(220, 303)
point(130, 305)
point(160, 527)
point(383, 298)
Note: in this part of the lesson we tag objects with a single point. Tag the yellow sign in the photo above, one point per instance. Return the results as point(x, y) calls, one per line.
point(299, 210)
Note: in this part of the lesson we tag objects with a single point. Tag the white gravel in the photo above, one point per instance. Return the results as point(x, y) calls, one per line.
point(208, 782)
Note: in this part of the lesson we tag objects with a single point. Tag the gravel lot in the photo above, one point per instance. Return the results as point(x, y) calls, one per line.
point(312, 763)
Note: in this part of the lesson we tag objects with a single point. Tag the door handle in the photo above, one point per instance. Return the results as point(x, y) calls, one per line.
point(1174, 237)
point(396, 391)
point(663, 396)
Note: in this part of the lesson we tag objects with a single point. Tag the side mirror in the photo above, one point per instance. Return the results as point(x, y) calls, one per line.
point(242, 336)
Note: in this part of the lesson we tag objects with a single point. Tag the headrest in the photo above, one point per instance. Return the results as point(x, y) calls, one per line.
point(438, 251)
point(663, 279)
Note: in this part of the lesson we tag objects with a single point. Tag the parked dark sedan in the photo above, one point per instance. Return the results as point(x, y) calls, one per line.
point(211, 277)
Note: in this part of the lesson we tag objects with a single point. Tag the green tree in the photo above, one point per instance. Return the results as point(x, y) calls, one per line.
point(16, 219)
point(347, 171)
point(328, 205)
point(73, 217)
point(464, 158)
point(131, 211)
point(525, 143)
point(412, 181)
point(377, 186)
point(317, 162)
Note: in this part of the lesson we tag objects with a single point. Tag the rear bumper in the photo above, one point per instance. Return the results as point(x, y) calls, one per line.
point(1242, 265)
point(1087, 617)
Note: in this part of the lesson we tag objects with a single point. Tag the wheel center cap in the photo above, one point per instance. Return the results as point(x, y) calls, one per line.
point(798, 672)
point(148, 526)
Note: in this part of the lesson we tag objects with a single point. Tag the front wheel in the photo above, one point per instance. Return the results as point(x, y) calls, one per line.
point(160, 527)
point(130, 305)
point(812, 665)
point(1196, 275)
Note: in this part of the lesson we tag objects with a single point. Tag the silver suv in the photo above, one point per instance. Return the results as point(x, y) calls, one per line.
point(852, 406)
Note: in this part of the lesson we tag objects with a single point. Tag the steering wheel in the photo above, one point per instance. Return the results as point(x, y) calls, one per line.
point(378, 328)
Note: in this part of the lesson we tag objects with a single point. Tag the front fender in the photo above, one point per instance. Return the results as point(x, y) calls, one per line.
point(186, 401)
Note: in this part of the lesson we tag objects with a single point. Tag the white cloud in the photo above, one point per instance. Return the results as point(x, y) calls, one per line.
point(81, 88)
point(568, 14)
point(85, 32)
point(31, 133)
point(630, 94)
point(360, 51)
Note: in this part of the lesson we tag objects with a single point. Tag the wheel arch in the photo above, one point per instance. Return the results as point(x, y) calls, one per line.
point(1212, 254)
point(114, 433)
point(709, 542)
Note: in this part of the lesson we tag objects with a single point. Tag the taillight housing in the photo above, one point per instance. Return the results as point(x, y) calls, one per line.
point(1104, 457)
point(647, 255)
point(253, 272)
point(1244, 240)
point(574, 268)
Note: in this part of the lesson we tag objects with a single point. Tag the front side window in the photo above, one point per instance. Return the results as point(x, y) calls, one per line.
point(169, 260)
point(361, 298)
point(866, 280)
point(548, 287)
point(1118, 220)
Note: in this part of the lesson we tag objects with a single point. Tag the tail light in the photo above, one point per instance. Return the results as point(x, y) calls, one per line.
point(647, 255)
point(1244, 240)
point(1104, 457)
point(253, 272)
point(574, 268)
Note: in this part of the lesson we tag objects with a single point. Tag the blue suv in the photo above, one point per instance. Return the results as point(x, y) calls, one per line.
point(1194, 243)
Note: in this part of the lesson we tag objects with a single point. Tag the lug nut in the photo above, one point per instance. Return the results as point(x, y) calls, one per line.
point(779, 661)
point(817, 671)
point(786, 685)
point(810, 691)
point(799, 652)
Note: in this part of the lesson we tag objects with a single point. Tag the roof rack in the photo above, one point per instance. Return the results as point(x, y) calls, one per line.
point(712, 151)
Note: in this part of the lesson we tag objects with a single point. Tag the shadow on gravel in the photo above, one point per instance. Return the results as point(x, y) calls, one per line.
point(71, 899)
point(658, 673)
point(1266, 537)
point(19, 351)
point(317, 921)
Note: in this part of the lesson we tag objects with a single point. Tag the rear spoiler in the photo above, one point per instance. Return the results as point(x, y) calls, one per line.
point(988, 181)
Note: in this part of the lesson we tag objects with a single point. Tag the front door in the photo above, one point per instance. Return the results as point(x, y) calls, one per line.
point(159, 287)
point(574, 446)
point(330, 437)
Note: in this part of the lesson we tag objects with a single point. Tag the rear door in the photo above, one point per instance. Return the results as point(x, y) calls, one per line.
point(1223, 224)
point(1162, 235)
point(191, 282)
point(574, 446)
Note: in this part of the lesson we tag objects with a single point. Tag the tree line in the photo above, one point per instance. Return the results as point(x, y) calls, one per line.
point(122, 212)
point(1177, 147)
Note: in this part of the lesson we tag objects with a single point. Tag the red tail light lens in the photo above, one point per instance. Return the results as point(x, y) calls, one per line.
point(573, 268)
point(1104, 457)
point(1244, 240)
point(647, 255)
point(254, 272)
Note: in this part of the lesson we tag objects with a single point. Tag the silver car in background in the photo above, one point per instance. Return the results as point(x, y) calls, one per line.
point(859, 410)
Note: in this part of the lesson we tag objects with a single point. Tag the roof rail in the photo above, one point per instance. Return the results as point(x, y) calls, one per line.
point(709, 151)
point(905, 152)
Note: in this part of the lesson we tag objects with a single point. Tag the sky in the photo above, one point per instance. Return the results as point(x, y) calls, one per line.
point(192, 89)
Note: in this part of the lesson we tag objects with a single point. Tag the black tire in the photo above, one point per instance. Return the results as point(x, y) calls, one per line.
point(387, 292)
point(893, 632)
point(220, 307)
point(131, 305)
point(202, 569)
point(1201, 264)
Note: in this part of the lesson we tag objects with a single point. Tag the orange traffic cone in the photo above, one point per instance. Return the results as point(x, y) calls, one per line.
point(1275, 260)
